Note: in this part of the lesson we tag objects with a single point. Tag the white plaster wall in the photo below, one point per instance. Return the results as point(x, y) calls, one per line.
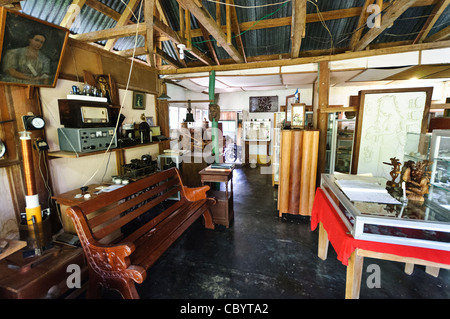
point(8, 223)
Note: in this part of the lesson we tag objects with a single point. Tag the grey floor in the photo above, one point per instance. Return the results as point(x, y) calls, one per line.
point(262, 256)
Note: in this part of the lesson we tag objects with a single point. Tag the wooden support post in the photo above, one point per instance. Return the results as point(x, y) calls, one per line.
point(322, 117)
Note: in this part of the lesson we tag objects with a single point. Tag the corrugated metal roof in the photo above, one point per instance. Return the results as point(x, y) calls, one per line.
point(270, 41)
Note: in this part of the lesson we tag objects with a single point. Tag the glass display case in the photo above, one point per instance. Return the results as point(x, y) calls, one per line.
point(257, 130)
point(340, 136)
point(440, 172)
point(417, 147)
point(413, 223)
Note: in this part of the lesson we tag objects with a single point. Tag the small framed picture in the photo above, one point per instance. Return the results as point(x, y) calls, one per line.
point(298, 115)
point(139, 100)
point(150, 121)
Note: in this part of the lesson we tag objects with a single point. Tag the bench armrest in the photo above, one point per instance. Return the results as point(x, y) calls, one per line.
point(193, 194)
point(106, 260)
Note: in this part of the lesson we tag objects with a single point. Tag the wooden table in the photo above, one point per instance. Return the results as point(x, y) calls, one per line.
point(223, 211)
point(41, 279)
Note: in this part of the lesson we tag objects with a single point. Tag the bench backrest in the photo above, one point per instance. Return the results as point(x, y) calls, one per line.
point(134, 209)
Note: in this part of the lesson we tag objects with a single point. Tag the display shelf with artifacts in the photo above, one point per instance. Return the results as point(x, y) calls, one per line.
point(257, 137)
point(257, 131)
point(440, 170)
point(340, 138)
point(410, 223)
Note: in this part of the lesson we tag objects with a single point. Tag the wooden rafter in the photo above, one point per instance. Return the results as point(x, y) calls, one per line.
point(209, 44)
point(103, 8)
point(361, 23)
point(149, 6)
point(210, 24)
point(237, 31)
point(164, 19)
point(434, 16)
point(72, 12)
point(113, 33)
point(124, 18)
point(298, 26)
point(393, 12)
point(173, 36)
point(439, 36)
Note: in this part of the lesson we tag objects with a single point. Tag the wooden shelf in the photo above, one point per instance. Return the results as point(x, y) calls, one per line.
point(66, 154)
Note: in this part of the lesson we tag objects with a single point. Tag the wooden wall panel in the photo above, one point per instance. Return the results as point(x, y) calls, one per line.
point(296, 156)
point(283, 186)
point(309, 171)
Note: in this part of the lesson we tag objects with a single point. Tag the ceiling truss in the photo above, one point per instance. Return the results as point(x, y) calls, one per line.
point(156, 29)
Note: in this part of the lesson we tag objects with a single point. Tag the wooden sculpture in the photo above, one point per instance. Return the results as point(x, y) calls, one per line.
point(395, 163)
point(417, 179)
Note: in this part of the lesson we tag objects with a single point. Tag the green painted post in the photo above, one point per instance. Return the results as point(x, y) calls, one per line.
point(215, 124)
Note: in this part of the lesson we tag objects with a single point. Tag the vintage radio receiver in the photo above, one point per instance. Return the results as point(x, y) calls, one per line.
point(79, 114)
point(83, 140)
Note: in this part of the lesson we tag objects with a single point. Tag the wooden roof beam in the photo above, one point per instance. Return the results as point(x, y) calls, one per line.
point(173, 36)
point(393, 12)
point(237, 31)
point(209, 44)
point(113, 33)
point(210, 24)
point(103, 8)
point(72, 12)
point(124, 18)
point(164, 19)
point(439, 36)
point(298, 26)
point(361, 23)
point(434, 16)
point(149, 7)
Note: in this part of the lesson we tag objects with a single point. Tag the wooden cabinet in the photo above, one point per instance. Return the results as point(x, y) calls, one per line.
point(222, 212)
point(298, 170)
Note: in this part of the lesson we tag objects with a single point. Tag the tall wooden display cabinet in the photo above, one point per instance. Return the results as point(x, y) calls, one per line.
point(298, 170)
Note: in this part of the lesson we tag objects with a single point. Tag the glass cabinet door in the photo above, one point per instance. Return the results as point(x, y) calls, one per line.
point(344, 145)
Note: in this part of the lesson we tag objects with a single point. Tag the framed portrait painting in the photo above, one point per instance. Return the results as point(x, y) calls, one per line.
point(31, 50)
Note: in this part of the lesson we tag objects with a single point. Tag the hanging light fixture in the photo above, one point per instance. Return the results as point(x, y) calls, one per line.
point(189, 115)
point(163, 96)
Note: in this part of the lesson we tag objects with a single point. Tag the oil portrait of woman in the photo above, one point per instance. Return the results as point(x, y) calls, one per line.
point(31, 51)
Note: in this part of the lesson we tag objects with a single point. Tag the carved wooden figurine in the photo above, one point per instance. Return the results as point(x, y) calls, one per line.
point(416, 176)
point(395, 163)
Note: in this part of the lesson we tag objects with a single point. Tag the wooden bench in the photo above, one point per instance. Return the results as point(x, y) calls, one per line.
point(125, 231)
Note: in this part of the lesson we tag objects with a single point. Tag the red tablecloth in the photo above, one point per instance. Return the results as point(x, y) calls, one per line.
point(344, 244)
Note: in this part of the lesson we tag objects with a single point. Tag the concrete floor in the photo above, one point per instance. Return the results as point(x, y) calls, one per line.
point(263, 257)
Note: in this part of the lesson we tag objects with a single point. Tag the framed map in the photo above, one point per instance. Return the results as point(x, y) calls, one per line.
point(384, 118)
